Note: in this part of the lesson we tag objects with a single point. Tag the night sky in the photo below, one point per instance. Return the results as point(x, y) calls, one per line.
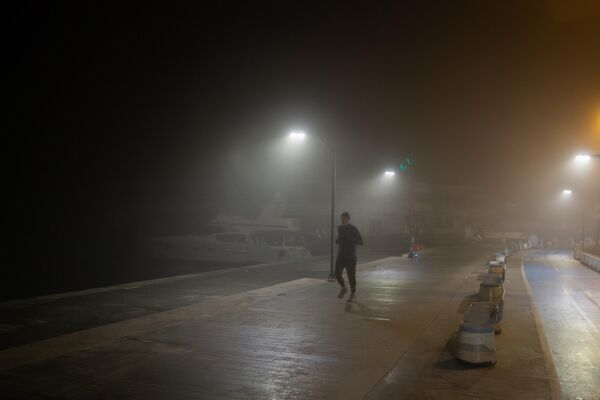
point(123, 109)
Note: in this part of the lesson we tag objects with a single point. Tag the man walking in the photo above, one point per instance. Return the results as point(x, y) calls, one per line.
point(348, 238)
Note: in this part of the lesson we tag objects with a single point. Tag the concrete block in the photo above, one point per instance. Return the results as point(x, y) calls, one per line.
point(491, 289)
point(497, 267)
point(476, 336)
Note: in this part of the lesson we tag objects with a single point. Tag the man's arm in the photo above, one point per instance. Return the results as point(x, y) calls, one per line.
point(357, 237)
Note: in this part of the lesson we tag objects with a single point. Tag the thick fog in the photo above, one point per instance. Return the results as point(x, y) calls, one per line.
point(137, 126)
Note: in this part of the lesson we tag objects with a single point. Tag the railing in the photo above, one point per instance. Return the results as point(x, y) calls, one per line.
point(587, 259)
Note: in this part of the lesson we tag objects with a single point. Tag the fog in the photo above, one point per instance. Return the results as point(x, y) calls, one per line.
point(133, 125)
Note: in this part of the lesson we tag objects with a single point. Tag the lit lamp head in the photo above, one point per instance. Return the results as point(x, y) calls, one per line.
point(567, 192)
point(297, 136)
point(389, 173)
point(583, 158)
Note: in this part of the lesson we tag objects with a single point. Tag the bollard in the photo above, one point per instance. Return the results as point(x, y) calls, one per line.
point(491, 289)
point(476, 342)
point(497, 267)
point(491, 311)
point(499, 257)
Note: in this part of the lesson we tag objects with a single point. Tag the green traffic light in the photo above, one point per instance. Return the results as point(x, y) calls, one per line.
point(407, 162)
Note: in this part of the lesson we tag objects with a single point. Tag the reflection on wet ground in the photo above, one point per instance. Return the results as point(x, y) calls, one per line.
point(565, 293)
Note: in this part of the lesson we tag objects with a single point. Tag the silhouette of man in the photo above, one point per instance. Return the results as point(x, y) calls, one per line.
point(348, 238)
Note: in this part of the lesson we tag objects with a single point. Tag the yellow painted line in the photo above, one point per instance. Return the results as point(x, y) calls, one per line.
point(555, 388)
point(77, 341)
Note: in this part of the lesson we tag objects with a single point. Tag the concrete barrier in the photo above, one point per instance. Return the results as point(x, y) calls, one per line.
point(476, 342)
point(491, 311)
point(497, 267)
point(587, 259)
point(499, 257)
point(491, 289)
point(476, 334)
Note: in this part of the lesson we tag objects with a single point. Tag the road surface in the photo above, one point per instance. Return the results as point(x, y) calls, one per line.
point(567, 295)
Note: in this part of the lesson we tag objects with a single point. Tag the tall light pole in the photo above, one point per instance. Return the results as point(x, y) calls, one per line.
point(568, 193)
point(598, 226)
point(581, 159)
point(405, 166)
point(300, 136)
point(331, 277)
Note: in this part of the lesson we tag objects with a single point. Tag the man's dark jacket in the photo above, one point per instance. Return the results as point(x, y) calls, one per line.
point(348, 238)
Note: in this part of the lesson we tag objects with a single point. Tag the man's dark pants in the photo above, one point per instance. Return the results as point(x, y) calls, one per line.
point(349, 263)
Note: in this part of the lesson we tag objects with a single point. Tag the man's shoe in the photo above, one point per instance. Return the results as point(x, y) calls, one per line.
point(351, 298)
point(342, 292)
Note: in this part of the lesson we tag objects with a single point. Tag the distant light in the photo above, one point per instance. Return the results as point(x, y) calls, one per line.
point(567, 192)
point(297, 135)
point(406, 163)
point(583, 158)
point(389, 173)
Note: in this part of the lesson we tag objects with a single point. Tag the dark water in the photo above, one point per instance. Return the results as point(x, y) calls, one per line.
point(52, 270)
point(24, 283)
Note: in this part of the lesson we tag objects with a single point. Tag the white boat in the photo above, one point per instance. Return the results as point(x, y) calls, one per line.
point(267, 238)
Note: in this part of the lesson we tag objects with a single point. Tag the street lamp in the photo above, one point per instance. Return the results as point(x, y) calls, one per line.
point(405, 168)
point(581, 159)
point(584, 158)
point(568, 193)
point(298, 136)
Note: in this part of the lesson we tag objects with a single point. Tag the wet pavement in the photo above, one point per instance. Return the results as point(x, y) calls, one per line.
point(567, 295)
point(28, 320)
point(276, 332)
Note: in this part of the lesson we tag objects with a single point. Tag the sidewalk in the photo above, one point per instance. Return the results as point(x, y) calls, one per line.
point(296, 340)
point(524, 369)
point(25, 321)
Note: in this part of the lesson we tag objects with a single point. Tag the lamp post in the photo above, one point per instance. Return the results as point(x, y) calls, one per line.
point(300, 136)
point(584, 159)
point(331, 277)
point(405, 166)
point(568, 193)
